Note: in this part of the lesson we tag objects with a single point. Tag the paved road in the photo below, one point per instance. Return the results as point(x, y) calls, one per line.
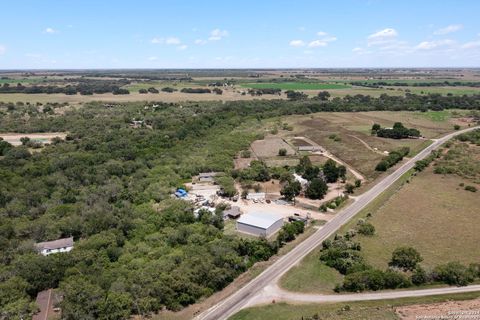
point(247, 294)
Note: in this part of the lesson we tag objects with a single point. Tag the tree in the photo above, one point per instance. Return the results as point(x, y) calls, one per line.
point(405, 258)
point(419, 276)
point(82, 300)
point(323, 95)
point(282, 152)
point(382, 166)
point(296, 95)
point(358, 183)
point(290, 190)
point(117, 306)
point(367, 229)
point(456, 127)
point(376, 127)
point(453, 273)
point(317, 189)
point(330, 171)
point(349, 188)
point(24, 140)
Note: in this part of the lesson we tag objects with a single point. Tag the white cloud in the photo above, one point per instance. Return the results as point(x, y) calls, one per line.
point(317, 43)
point(357, 49)
point(217, 34)
point(449, 29)
point(172, 41)
point(201, 41)
point(3, 49)
point(322, 42)
point(153, 58)
point(157, 40)
point(471, 45)
point(430, 45)
point(297, 43)
point(168, 41)
point(50, 30)
point(301, 28)
point(382, 36)
point(182, 47)
point(33, 55)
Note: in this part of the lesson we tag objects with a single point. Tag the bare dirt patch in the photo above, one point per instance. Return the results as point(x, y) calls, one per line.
point(269, 147)
point(443, 310)
point(14, 138)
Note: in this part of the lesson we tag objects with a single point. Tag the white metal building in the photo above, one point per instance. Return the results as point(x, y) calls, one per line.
point(259, 223)
point(56, 246)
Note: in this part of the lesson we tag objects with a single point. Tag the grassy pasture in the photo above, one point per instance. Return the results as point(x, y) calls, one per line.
point(372, 310)
point(295, 85)
point(353, 134)
point(431, 213)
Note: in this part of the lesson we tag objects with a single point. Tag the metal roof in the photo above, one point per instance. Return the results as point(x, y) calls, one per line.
point(56, 244)
point(259, 219)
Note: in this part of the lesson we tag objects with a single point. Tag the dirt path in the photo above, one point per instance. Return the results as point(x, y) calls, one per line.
point(273, 292)
point(366, 144)
point(14, 138)
point(327, 154)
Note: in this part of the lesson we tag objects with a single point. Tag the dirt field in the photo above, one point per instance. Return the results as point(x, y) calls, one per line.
point(431, 213)
point(269, 147)
point(439, 310)
point(14, 138)
point(347, 135)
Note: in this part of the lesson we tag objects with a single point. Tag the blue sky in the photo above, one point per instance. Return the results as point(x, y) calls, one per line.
point(239, 34)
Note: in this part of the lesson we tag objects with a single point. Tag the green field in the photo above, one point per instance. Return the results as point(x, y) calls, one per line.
point(311, 276)
point(371, 310)
point(295, 86)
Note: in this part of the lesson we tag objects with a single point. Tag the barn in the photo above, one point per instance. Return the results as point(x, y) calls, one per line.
point(261, 224)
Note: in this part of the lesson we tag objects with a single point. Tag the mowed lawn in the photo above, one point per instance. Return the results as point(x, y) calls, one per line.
point(311, 276)
point(295, 85)
point(371, 310)
point(432, 214)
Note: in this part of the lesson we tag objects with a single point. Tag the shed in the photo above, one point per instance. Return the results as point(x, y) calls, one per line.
point(56, 246)
point(232, 213)
point(259, 223)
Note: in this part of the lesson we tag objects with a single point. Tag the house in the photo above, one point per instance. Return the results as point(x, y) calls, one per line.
point(260, 224)
point(232, 213)
point(207, 176)
point(299, 178)
point(181, 193)
point(56, 246)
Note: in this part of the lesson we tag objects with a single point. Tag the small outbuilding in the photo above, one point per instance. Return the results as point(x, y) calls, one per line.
point(56, 246)
point(260, 224)
point(233, 213)
point(256, 196)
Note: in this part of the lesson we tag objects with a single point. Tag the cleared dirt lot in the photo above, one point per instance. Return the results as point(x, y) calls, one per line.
point(347, 135)
point(14, 138)
point(470, 309)
point(269, 147)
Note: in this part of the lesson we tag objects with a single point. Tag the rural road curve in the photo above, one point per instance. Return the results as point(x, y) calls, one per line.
point(254, 289)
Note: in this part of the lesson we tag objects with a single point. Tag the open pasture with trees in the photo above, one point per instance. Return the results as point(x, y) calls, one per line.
point(298, 85)
point(108, 184)
point(348, 136)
